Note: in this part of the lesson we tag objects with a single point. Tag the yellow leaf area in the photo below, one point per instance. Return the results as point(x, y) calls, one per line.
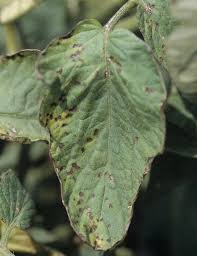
point(20, 241)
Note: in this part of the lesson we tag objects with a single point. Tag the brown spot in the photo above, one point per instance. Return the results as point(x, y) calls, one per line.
point(81, 194)
point(99, 175)
point(76, 82)
point(136, 139)
point(96, 131)
point(77, 45)
point(112, 59)
point(80, 201)
point(75, 166)
point(59, 71)
point(89, 140)
point(110, 205)
point(69, 114)
point(149, 90)
point(73, 109)
point(61, 168)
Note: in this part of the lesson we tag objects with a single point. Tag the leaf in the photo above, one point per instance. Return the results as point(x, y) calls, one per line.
point(103, 112)
point(182, 106)
point(16, 207)
point(155, 23)
point(21, 241)
point(182, 116)
point(182, 46)
point(12, 10)
point(20, 98)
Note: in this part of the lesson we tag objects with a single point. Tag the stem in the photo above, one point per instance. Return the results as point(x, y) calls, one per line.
point(120, 13)
point(13, 40)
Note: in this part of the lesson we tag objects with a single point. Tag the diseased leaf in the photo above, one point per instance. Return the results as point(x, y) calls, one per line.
point(21, 241)
point(155, 23)
point(182, 46)
point(16, 208)
point(103, 112)
point(182, 62)
point(20, 98)
point(15, 205)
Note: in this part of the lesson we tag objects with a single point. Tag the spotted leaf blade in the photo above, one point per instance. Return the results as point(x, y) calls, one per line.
point(16, 207)
point(155, 23)
point(104, 115)
point(21, 95)
point(182, 104)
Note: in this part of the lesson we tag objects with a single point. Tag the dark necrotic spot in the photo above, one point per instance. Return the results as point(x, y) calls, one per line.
point(89, 139)
point(73, 109)
point(81, 194)
point(149, 89)
point(96, 131)
point(77, 45)
point(75, 166)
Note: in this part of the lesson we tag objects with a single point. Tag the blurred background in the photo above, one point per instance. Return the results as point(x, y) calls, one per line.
point(164, 221)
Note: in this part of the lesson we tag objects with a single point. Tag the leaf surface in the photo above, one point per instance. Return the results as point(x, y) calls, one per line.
point(182, 104)
point(21, 95)
point(104, 115)
point(155, 23)
point(182, 46)
point(16, 207)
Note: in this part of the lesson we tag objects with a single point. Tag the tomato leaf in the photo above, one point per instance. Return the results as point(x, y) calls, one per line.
point(21, 95)
point(103, 112)
point(182, 104)
point(155, 23)
point(16, 207)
